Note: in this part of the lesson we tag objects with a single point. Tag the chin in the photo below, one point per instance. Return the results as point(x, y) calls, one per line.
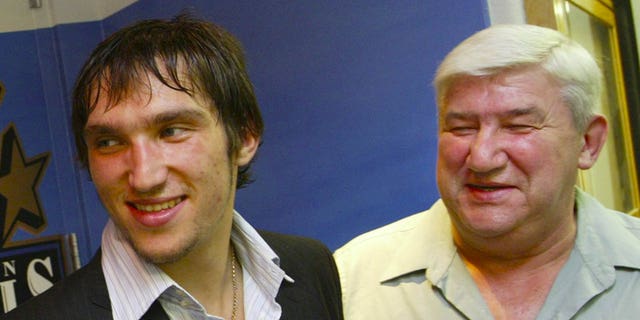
point(150, 252)
point(161, 257)
point(487, 226)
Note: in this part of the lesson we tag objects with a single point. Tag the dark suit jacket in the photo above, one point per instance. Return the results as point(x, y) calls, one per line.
point(315, 294)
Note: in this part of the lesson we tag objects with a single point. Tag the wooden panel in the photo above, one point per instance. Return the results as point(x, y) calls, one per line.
point(541, 13)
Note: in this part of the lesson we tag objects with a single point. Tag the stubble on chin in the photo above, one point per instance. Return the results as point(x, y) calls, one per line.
point(165, 257)
point(159, 257)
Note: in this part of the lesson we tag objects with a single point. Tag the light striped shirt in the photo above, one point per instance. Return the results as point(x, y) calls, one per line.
point(134, 284)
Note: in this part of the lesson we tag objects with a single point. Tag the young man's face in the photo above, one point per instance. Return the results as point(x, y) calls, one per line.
point(508, 155)
point(161, 168)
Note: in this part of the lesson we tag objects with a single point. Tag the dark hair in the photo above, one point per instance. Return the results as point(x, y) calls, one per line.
point(211, 61)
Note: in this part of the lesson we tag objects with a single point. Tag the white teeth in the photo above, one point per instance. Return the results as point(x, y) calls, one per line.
point(158, 206)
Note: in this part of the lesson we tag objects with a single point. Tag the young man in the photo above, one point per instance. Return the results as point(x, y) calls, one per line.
point(166, 121)
point(512, 237)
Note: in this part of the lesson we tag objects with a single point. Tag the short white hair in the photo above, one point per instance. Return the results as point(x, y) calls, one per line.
point(507, 47)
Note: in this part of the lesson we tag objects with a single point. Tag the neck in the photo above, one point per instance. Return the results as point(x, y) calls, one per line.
point(515, 275)
point(215, 282)
point(526, 245)
point(503, 266)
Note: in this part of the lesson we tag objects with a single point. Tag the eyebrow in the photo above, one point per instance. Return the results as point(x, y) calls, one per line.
point(513, 113)
point(186, 115)
point(530, 110)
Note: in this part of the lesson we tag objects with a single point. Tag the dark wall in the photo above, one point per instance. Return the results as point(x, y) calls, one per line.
point(345, 91)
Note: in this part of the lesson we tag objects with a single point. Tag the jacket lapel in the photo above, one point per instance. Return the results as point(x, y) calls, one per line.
point(155, 312)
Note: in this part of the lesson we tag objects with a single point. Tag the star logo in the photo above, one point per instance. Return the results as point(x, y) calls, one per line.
point(19, 181)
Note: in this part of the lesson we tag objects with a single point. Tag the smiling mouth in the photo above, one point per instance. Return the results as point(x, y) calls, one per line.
point(156, 206)
point(486, 188)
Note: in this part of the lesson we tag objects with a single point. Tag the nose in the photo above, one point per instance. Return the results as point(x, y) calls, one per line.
point(487, 152)
point(148, 170)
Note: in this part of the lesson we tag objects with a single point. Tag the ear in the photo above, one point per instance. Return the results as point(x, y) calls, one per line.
point(594, 137)
point(247, 150)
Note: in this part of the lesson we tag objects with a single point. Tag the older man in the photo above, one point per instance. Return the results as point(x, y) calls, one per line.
point(512, 237)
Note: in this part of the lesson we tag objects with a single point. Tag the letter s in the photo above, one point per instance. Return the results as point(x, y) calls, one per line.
point(37, 283)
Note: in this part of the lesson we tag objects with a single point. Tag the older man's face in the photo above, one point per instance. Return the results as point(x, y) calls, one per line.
point(508, 155)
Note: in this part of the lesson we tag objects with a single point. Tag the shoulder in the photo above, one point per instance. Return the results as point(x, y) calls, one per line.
point(80, 295)
point(315, 292)
point(369, 254)
point(603, 219)
point(609, 236)
point(621, 229)
point(291, 245)
point(300, 256)
point(627, 221)
point(394, 251)
point(380, 241)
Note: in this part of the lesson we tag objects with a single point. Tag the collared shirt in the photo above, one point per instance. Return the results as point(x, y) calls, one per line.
point(411, 269)
point(134, 284)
